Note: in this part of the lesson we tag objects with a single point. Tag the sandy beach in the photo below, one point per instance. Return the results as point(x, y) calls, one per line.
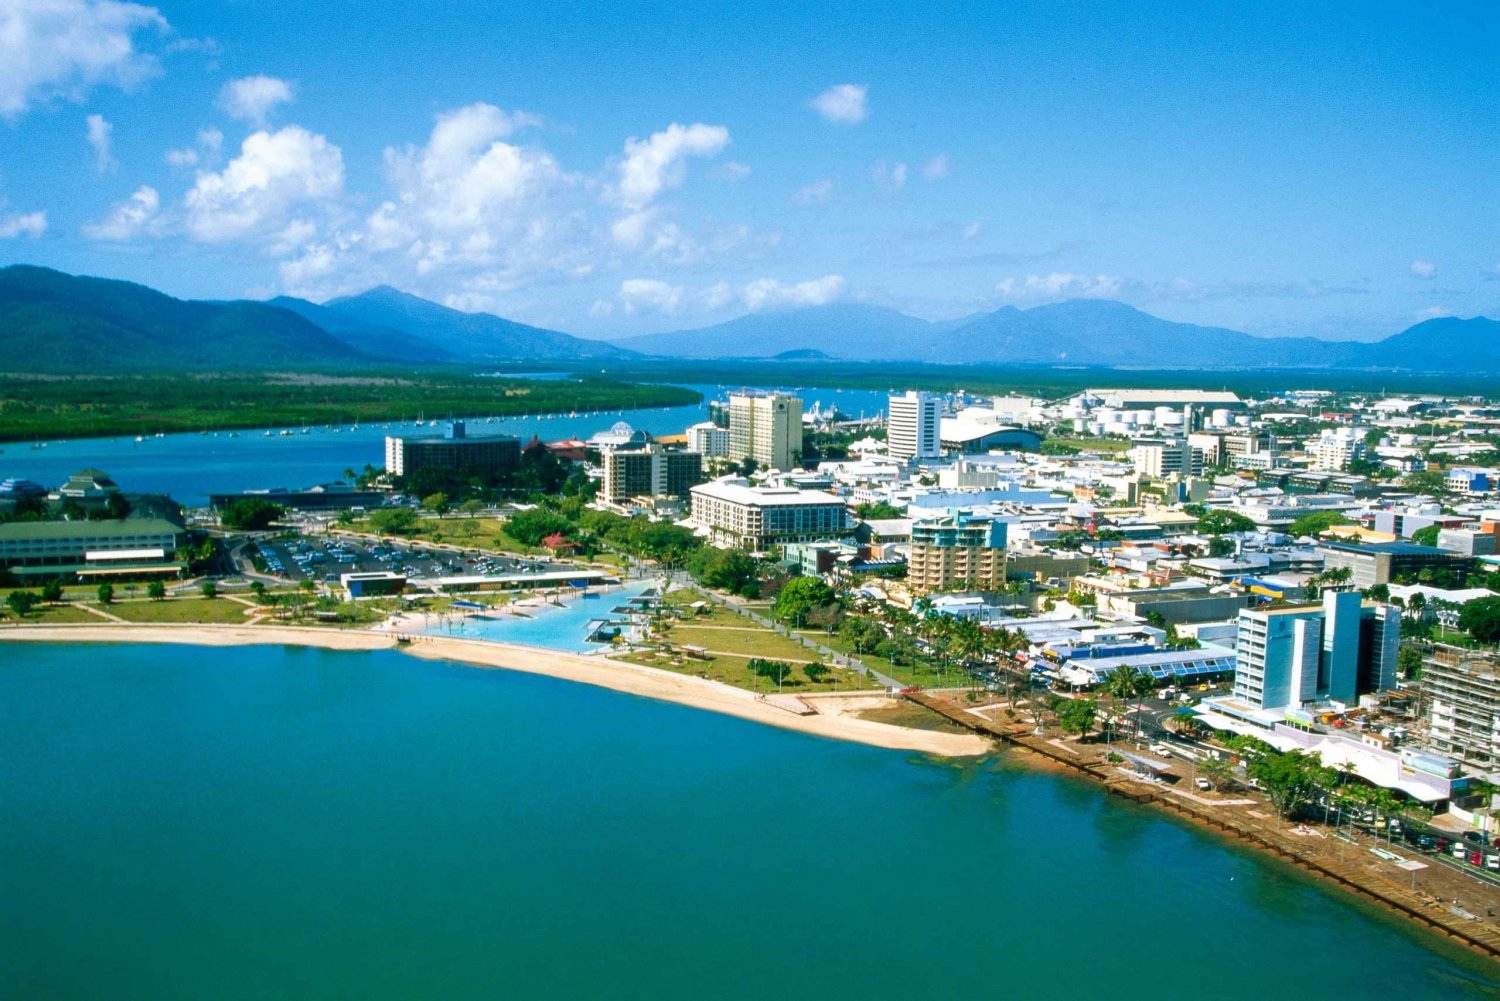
point(832, 721)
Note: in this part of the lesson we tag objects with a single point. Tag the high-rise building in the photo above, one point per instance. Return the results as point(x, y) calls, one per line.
point(912, 430)
point(766, 427)
point(1339, 650)
point(1464, 712)
point(1336, 448)
point(647, 470)
point(956, 550)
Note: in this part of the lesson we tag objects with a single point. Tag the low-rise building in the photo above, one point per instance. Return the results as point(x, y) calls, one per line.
point(1383, 562)
point(452, 451)
point(144, 544)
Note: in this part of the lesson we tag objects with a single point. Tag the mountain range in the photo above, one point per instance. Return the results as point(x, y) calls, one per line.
point(54, 322)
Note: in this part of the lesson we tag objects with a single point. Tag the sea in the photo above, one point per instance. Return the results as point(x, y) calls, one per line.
point(279, 822)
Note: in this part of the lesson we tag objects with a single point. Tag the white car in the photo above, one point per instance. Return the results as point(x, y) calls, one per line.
point(1203, 783)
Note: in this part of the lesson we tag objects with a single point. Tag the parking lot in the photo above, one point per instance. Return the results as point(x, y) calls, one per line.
point(323, 560)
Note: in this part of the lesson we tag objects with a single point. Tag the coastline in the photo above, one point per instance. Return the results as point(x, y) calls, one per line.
point(600, 672)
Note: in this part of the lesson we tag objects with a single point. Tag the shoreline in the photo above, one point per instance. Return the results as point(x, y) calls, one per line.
point(600, 672)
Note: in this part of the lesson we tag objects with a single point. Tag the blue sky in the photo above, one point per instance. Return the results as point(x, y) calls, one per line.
point(1283, 169)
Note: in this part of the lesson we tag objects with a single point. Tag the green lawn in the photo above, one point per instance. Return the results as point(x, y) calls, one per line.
point(736, 671)
point(207, 610)
point(487, 534)
point(56, 614)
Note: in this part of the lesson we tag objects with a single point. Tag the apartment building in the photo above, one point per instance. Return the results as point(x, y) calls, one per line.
point(647, 470)
point(1161, 457)
point(1463, 687)
point(708, 440)
point(955, 550)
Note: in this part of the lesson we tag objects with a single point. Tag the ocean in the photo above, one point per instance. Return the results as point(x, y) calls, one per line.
point(275, 822)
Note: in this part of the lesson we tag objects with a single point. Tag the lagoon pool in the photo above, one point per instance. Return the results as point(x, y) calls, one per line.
point(534, 623)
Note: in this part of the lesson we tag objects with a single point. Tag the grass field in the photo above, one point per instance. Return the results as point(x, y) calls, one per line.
point(53, 614)
point(487, 534)
point(208, 610)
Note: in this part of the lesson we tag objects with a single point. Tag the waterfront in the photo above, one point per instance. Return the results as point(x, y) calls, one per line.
point(189, 467)
point(541, 622)
point(317, 823)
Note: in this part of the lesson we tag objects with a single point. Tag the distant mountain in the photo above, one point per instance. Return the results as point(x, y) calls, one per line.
point(842, 330)
point(467, 336)
point(56, 322)
point(370, 338)
point(1077, 332)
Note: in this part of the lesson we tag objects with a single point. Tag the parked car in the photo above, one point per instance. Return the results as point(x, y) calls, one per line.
point(1203, 783)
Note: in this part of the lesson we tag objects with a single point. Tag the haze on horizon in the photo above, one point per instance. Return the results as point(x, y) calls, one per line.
point(1291, 169)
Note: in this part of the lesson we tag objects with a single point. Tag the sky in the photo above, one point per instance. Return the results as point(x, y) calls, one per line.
point(1284, 169)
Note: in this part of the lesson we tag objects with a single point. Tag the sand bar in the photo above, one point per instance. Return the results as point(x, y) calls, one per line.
point(633, 679)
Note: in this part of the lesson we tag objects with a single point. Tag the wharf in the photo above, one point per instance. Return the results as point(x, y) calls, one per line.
point(1237, 818)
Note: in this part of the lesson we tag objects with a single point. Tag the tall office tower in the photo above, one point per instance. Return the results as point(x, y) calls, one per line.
point(912, 431)
point(766, 427)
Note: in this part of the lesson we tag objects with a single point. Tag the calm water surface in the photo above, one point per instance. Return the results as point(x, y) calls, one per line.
point(189, 467)
point(274, 822)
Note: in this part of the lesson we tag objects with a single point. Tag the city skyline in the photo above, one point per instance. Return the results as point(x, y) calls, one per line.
point(1283, 171)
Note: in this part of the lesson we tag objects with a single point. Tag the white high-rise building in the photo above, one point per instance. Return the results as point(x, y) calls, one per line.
point(913, 429)
point(766, 427)
point(708, 439)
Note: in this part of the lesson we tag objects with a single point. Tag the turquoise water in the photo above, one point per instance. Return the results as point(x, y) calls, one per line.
point(273, 822)
point(554, 627)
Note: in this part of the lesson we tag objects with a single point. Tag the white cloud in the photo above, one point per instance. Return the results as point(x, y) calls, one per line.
point(972, 230)
point(1433, 313)
point(207, 150)
point(1423, 270)
point(645, 295)
point(62, 48)
point(32, 224)
point(768, 293)
point(654, 165)
point(734, 170)
point(843, 104)
point(275, 173)
point(252, 98)
point(814, 192)
point(135, 216)
point(1060, 285)
point(99, 132)
point(889, 178)
point(936, 168)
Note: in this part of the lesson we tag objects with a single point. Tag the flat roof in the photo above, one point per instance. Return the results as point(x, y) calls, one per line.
point(26, 530)
point(739, 493)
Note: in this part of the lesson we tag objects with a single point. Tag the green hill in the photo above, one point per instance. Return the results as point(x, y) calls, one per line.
point(55, 322)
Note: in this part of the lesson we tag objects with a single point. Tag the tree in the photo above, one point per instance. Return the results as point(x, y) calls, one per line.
point(1077, 715)
point(208, 589)
point(1316, 523)
point(106, 593)
point(1218, 770)
point(1481, 619)
point(1427, 536)
point(471, 507)
point(156, 590)
point(394, 521)
point(748, 467)
point(1409, 661)
point(531, 527)
point(250, 514)
point(22, 602)
point(732, 570)
point(1424, 482)
point(436, 503)
point(800, 596)
point(52, 590)
point(1218, 521)
point(1288, 778)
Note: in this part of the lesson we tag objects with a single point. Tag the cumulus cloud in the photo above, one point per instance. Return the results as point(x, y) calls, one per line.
point(252, 98)
point(275, 173)
point(768, 293)
point(32, 224)
point(645, 295)
point(98, 135)
point(814, 192)
point(889, 178)
point(134, 217)
point(63, 48)
point(936, 168)
point(1423, 270)
point(843, 104)
point(651, 166)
